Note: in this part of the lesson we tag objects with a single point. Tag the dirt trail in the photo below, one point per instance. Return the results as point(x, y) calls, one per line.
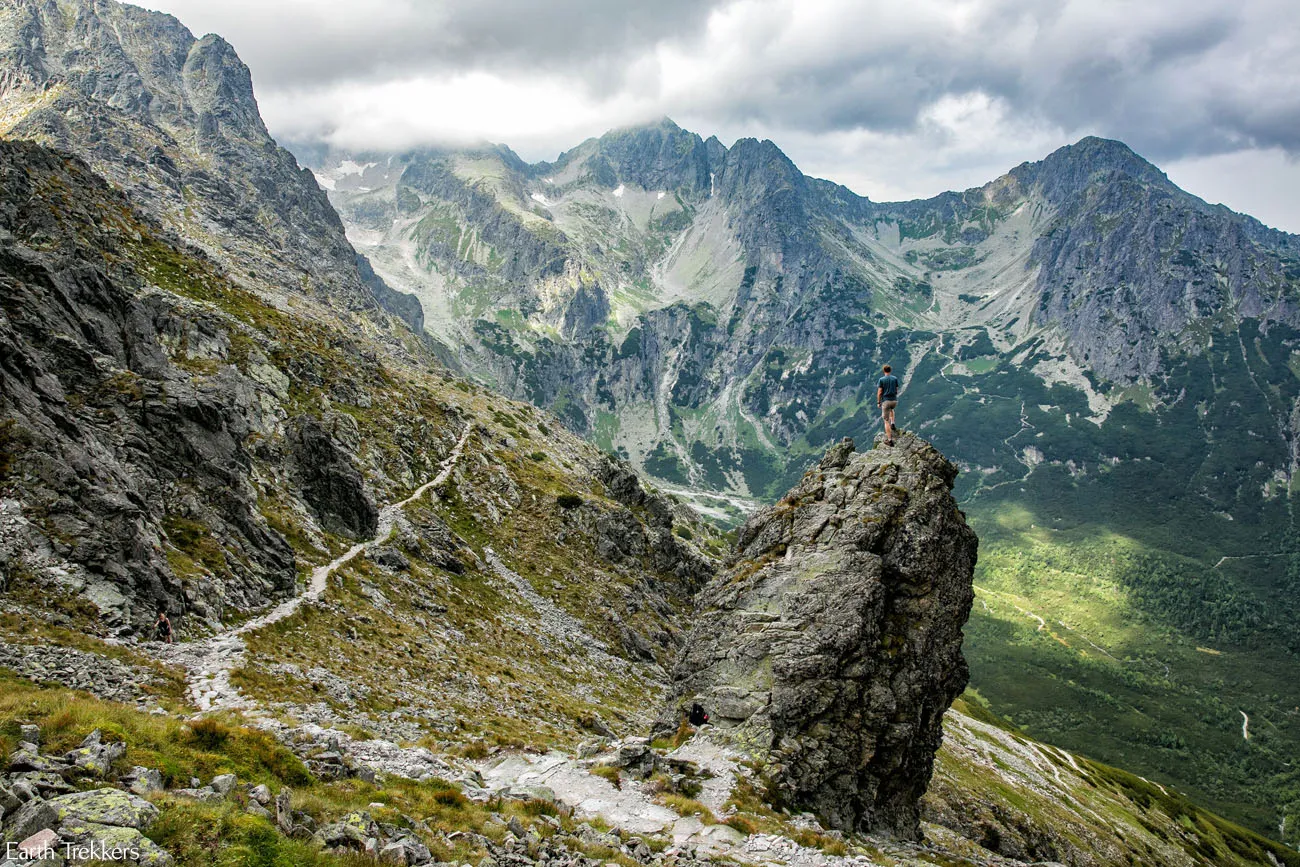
point(209, 662)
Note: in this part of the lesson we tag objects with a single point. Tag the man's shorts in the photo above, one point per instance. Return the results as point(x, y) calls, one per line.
point(888, 405)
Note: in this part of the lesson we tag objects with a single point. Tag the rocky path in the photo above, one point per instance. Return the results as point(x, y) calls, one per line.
point(631, 809)
point(209, 662)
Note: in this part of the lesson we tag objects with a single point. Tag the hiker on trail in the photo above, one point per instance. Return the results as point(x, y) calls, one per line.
point(887, 399)
point(162, 628)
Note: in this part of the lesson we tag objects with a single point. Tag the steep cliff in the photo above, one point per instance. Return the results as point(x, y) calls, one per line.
point(830, 648)
point(126, 423)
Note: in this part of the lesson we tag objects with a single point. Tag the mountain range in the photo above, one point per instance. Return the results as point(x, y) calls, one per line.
point(1110, 360)
point(277, 405)
point(712, 312)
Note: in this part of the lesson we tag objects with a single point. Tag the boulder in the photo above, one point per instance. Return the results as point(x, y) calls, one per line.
point(9, 801)
point(92, 841)
point(388, 557)
point(405, 851)
point(105, 807)
point(32, 817)
point(143, 781)
point(23, 790)
point(95, 757)
point(830, 648)
point(41, 846)
point(46, 784)
point(350, 832)
point(283, 813)
point(224, 784)
point(635, 757)
point(26, 757)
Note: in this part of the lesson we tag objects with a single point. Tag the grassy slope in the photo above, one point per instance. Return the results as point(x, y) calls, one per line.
point(1149, 651)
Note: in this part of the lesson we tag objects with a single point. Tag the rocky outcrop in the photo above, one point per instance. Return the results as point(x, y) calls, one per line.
point(331, 483)
point(830, 649)
point(123, 440)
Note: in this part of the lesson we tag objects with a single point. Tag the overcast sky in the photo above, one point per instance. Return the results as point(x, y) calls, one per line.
point(895, 99)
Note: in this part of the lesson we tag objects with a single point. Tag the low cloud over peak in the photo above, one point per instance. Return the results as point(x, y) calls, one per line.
point(891, 99)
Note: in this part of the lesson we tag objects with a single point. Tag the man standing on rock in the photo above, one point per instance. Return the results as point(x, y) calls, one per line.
point(887, 399)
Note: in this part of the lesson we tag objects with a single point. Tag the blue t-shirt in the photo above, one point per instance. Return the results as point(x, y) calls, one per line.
point(888, 386)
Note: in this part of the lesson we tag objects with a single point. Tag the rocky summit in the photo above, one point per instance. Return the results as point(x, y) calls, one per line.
point(830, 649)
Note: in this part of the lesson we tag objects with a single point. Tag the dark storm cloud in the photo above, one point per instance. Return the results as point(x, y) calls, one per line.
point(1189, 81)
point(294, 44)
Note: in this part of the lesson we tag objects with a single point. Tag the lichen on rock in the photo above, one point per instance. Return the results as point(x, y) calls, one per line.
point(830, 648)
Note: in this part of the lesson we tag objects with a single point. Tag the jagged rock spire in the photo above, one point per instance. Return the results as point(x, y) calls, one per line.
point(830, 649)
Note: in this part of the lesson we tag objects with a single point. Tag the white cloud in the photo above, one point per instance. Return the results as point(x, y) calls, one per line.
point(1262, 183)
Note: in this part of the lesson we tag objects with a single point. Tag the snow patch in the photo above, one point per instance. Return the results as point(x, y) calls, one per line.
point(661, 194)
point(325, 181)
point(618, 194)
point(540, 199)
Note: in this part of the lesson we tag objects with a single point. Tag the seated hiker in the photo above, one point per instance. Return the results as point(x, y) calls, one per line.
point(887, 399)
point(697, 716)
point(162, 628)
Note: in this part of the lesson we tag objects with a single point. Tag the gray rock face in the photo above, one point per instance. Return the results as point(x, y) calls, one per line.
point(831, 647)
point(116, 447)
point(173, 121)
point(331, 482)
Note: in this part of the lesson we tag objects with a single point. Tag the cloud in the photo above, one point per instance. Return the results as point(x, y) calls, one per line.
point(894, 96)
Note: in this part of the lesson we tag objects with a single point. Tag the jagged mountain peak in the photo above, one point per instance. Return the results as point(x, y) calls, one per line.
point(764, 162)
point(173, 121)
point(654, 156)
point(1073, 168)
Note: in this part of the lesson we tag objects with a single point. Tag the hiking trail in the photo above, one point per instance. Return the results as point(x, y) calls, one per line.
point(209, 662)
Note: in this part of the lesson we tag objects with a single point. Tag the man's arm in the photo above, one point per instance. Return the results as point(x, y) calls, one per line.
point(880, 390)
